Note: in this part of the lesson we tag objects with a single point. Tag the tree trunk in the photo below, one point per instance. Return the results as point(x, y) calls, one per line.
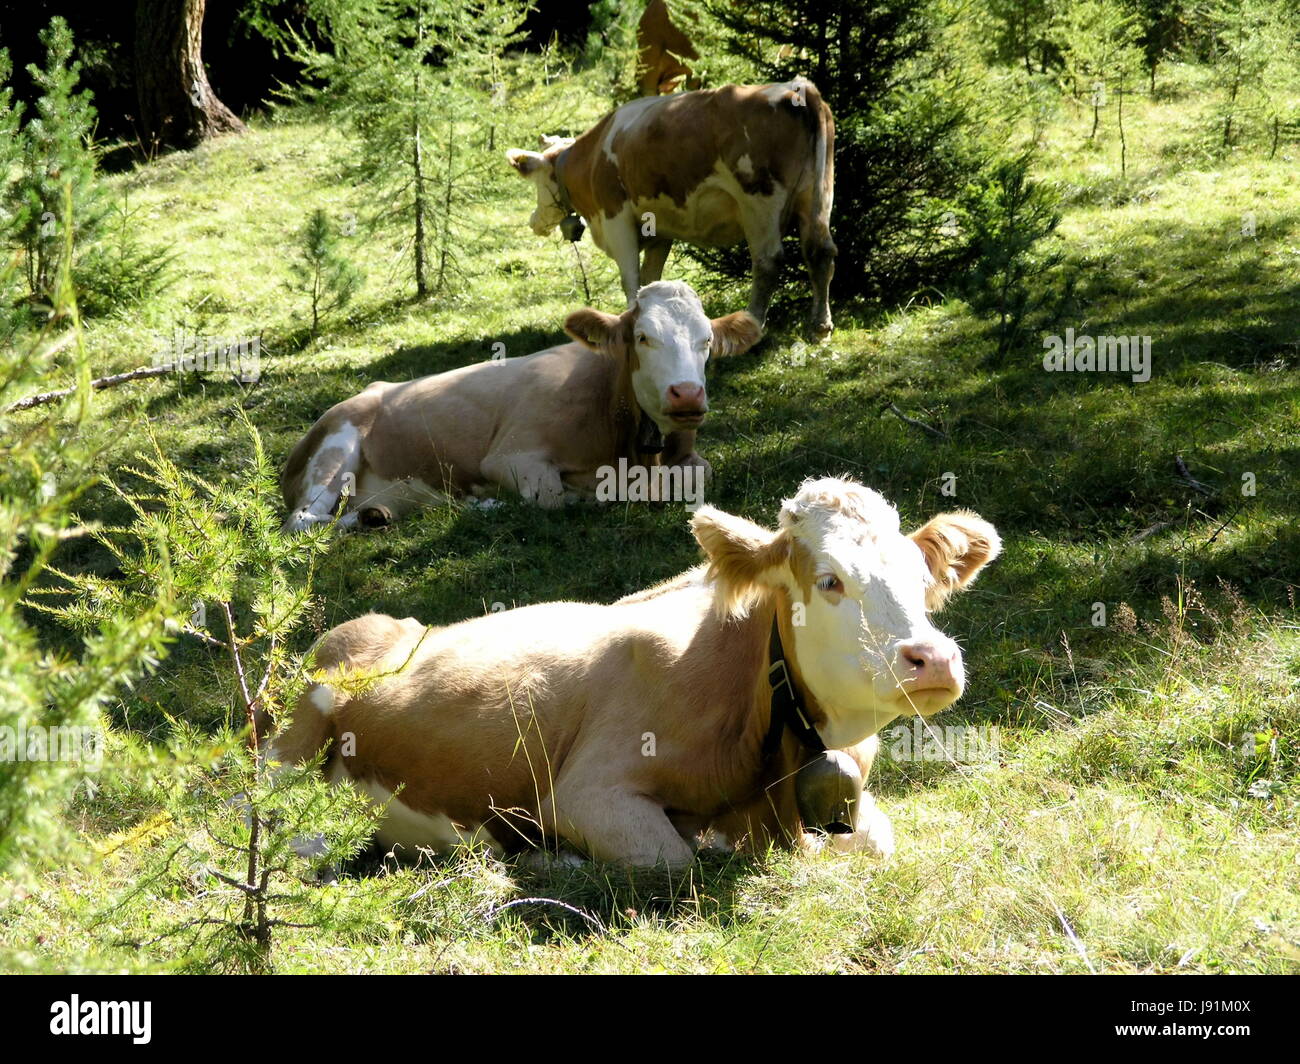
point(417, 174)
point(417, 166)
point(178, 108)
point(444, 248)
point(1123, 142)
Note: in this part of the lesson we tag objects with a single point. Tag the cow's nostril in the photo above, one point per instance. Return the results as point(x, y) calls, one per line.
point(914, 659)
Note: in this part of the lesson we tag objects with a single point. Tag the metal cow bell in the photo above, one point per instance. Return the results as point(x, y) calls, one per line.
point(828, 789)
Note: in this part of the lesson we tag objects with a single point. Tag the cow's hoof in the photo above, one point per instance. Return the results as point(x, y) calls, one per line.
point(875, 838)
point(711, 840)
point(822, 332)
point(374, 517)
point(694, 461)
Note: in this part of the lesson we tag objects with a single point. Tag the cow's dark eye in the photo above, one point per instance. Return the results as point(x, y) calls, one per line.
point(830, 583)
point(641, 338)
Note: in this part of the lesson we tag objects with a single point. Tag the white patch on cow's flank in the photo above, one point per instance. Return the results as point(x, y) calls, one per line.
point(335, 456)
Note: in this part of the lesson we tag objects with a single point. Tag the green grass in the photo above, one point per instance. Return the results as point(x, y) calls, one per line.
point(1142, 814)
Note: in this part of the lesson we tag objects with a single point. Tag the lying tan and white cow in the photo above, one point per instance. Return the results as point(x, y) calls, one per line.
point(630, 386)
point(630, 731)
point(712, 167)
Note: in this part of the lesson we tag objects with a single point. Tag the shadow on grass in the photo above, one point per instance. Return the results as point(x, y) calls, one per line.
point(610, 898)
point(594, 899)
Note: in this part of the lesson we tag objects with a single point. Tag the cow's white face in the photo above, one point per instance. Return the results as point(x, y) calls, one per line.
point(672, 338)
point(668, 340)
point(539, 168)
point(860, 594)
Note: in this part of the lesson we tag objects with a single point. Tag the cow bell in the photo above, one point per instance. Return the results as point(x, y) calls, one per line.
point(572, 228)
point(827, 789)
point(649, 437)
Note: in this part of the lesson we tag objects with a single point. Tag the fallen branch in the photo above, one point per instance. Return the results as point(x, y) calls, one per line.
point(1231, 517)
point(1180, 467)
point(495, 909)
point(930, 429)
point(97, 384)
point(1159, 526)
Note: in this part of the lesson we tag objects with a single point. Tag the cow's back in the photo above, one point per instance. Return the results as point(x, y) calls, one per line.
point(488, 713)
point(690, 157)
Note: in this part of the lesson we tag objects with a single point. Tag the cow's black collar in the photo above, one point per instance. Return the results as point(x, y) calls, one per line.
point(571, 227)
point(788, 710)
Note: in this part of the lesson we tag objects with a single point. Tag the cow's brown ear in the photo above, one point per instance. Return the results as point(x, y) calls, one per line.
point(956, 547)
point(734, 334)
point(595, 328)
point(525, 162)
point(742, 556)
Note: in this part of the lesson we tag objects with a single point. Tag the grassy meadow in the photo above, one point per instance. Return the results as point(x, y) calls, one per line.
point(1142, 812)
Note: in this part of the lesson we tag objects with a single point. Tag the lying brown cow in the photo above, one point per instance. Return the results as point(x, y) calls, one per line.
point(633, 730)
point(542, 426)
point(713, 167)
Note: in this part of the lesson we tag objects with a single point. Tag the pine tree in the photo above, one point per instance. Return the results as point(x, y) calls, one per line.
point(12, 209)
point(419, 81)
point(1249, 43)
point(122, 269)
point(46, 462)
point(232, 820)
point(910, 108)
point(1164, 28)
point(57, 154)
point(1098, 40)
point(1024, 31)
point(328, 277)
point(1014, 216)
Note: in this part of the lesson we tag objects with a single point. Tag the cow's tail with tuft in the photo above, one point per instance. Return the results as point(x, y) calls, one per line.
point(311, 728)
point(823, 156)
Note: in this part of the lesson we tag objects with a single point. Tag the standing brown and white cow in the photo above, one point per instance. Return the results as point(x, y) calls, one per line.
point(634, 730)
point(629, 387)
point(713, 167)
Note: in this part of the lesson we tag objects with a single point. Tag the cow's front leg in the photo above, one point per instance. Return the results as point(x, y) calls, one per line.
point(679, 450)
point(619, 238)
point(873, 832)
point(614, 824)
point(532, 476)
point(656, 257)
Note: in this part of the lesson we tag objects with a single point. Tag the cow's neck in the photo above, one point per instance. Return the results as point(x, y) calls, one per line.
point(751, 773)
point(576, 159)
point(630, 422)
point(807, 701)
point(565, 198)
